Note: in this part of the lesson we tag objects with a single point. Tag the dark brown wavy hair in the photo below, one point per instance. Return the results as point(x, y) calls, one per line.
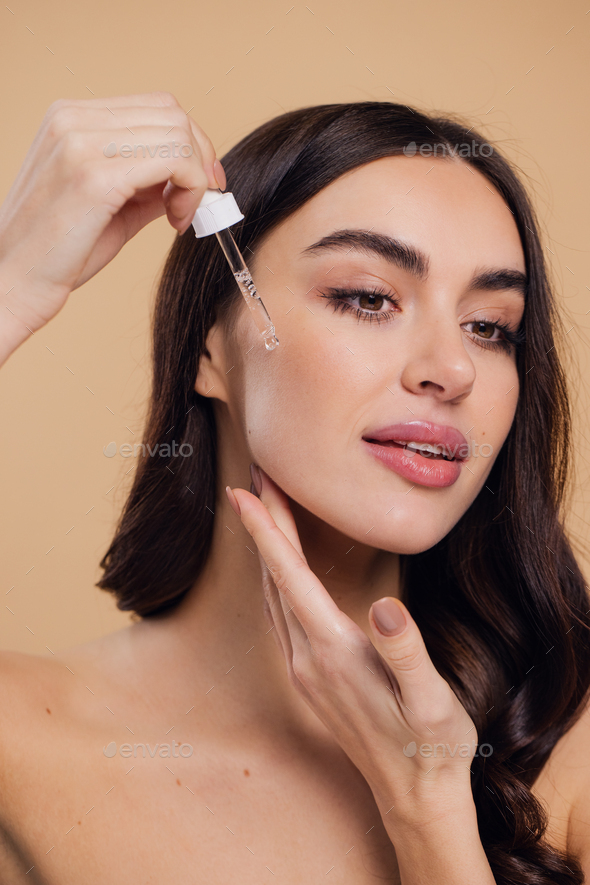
point(500, 601)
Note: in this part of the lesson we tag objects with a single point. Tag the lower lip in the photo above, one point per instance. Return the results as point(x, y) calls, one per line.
point(423, 471)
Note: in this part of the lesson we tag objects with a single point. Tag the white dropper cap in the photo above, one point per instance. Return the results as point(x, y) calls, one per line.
point(217, 211)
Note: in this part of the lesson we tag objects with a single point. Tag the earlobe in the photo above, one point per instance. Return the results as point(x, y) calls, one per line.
point(203, 381)
point(211, 380)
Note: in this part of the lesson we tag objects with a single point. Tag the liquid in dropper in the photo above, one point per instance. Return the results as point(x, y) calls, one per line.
point(243, 278)
point(259, 312)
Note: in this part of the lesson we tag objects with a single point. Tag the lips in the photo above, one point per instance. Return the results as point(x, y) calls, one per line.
point(448, 440)
point(427, 453)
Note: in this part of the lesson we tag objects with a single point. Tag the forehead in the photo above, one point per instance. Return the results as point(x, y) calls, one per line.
point(450, 209)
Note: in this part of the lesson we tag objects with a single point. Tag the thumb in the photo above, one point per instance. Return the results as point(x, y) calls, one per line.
point(400, 644)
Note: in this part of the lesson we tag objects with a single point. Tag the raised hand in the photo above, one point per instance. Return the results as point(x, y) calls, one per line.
point(75, 203)
point(383, 700)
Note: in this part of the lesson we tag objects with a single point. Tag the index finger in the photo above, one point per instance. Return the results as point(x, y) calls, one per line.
point(158, 99)
point(277, 502)
point(289, 570)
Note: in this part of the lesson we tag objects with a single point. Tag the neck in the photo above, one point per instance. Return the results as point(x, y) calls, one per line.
point(218, 635)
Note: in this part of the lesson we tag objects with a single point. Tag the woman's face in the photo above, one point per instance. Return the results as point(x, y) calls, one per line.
point(437, 258)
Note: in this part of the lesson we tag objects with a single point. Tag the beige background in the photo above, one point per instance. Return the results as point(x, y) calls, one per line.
point(519, 72)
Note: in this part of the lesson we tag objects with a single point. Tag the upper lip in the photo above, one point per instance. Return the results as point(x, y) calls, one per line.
point(451, 439)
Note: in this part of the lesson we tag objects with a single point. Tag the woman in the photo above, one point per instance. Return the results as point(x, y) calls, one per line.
point(407, 698)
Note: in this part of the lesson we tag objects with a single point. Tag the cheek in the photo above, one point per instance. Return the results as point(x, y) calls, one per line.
point(495, 404)
point(304, 404)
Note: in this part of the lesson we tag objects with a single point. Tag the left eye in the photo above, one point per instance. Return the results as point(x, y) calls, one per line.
point(370, 302)
point(484, 329)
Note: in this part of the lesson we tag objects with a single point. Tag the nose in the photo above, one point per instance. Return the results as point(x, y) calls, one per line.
point(437, 362)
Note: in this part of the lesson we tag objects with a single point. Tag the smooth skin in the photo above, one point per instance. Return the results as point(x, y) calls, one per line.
point(297, 732)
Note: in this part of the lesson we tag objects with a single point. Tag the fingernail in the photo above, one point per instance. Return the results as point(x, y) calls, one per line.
point(256, 479)
point(219, 173)
point(233, 501)
point(388, 616)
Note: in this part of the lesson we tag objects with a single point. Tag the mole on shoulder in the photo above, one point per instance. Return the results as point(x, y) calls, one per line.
point(48, 710)
point(178, 782)
point(246, 772)
point(79, 823)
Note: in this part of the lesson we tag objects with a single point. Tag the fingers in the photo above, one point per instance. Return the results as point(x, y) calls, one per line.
point(176, 125)
point(295, 581)
point(281, 604)
point(277, 504)
point(274, 613)
point(135, 167)
point(96, 172)
point(423, 690)
point(288, 632)
point(142, 129)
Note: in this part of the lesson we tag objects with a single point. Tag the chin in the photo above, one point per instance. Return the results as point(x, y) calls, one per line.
point(412, 544)
point(408, 528)
point(407, 541)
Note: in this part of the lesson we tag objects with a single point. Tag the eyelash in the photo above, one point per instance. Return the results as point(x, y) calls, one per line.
point(337, 299)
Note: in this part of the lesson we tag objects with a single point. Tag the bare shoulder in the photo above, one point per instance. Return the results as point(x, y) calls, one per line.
point(28, 683)
point(55, 718)
point(32, 692)
point(47, 699)
point(563, 787)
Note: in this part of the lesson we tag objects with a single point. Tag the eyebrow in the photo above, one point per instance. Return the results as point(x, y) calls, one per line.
point(411, 259)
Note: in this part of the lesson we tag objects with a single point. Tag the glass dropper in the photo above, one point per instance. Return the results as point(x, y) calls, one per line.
point(244, 280)
point(217, 211)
